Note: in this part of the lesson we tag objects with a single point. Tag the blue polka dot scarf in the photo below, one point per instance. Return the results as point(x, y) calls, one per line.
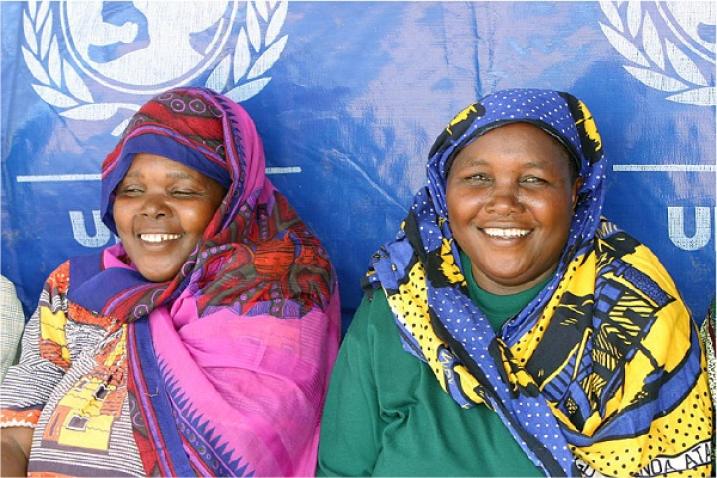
point(602, 372)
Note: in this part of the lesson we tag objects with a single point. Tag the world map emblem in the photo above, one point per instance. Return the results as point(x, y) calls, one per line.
point(84, 54)
point(668, 46)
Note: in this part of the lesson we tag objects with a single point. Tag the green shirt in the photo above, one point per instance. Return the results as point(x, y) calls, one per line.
point(497, 308)
point(386, 414)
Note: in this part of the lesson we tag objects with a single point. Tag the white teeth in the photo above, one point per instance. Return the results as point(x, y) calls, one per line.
point(506, 233)
point(157, 238)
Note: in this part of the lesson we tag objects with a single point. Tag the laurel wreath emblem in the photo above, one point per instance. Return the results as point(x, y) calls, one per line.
point(240, 74)
point(656, 62)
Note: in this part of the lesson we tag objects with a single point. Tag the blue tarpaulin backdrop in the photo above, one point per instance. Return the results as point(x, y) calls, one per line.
point(348, 98)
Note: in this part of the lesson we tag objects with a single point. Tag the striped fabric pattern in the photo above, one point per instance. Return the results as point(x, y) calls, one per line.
point(34, 388)
point(12, 322)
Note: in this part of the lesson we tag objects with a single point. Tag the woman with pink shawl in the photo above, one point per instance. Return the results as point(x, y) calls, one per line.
point(199, 345)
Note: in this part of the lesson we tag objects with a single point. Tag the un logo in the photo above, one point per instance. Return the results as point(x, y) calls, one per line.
point(81, 53)
point(668, 46)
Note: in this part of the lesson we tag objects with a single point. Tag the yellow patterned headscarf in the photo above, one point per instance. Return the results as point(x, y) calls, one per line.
point(600, 374)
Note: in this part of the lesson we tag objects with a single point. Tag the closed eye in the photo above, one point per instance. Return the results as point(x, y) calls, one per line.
point(183, 193)
point(130, 191)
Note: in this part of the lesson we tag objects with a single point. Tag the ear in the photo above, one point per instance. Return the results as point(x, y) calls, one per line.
point(574, 193)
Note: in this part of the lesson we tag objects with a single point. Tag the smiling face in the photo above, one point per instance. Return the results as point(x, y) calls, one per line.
point(161, 210)
point(510, 197)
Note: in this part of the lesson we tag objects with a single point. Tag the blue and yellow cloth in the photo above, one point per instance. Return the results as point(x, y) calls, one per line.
point(602, 373)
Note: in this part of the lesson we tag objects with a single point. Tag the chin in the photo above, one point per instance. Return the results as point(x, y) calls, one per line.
point(158, 276)
point(507, 278)
point(527, 279)
point(157, 279)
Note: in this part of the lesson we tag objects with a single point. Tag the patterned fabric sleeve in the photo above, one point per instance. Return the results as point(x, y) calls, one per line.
point(45, 357)
point(707, 333)
point(12, 323)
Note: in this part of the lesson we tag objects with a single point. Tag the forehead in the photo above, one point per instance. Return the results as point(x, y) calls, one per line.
point(148, 165)
point(514, 140)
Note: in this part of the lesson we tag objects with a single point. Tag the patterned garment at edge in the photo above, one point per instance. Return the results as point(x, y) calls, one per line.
point(12, 323)
point(707, 333)
point(602, 373)
point(222, 371)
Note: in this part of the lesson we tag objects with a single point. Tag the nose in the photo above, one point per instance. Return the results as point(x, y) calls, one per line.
point(504, 200)
point(154, 206)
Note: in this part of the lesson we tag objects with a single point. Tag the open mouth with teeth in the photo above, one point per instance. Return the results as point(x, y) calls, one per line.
point(159, 238)
point(505, 233)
